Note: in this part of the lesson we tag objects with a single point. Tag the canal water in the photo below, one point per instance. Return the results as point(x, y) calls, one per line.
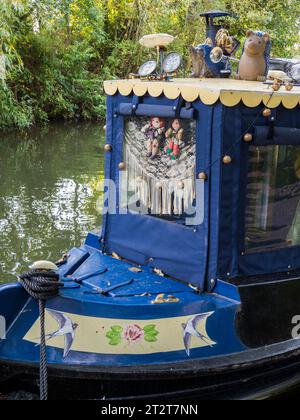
point(48, 192)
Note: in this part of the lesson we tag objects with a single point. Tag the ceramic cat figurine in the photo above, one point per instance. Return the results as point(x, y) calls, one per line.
point(254, 64)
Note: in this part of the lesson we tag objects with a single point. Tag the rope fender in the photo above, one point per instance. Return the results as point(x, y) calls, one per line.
point(42, 285)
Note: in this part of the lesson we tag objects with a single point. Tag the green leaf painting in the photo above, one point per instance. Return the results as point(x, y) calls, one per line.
point(114, 335)
point(151, 333)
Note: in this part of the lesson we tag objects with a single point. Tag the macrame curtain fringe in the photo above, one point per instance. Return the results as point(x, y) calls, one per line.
point(161, 197)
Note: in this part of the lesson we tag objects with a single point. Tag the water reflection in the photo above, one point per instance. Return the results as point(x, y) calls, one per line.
point(47, 202)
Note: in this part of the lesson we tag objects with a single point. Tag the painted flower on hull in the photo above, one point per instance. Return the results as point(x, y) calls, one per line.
point(134, 334)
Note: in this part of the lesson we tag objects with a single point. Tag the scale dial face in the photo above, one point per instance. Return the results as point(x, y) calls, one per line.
point(172, 62)
point(147, 68)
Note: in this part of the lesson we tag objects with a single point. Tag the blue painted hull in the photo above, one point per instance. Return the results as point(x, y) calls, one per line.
point(127, 335)
point(127, 306)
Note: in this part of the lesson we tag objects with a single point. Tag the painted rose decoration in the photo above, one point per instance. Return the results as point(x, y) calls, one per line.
point(132, 334)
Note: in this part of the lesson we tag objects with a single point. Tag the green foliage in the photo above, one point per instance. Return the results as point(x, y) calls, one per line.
point(280, 18)
point(58, 52)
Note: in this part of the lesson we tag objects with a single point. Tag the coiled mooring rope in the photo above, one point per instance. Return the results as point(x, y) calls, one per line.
point(42, 285)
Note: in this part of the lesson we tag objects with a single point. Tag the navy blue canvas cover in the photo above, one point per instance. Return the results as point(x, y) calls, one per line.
point(216, 248)
point(179, 251)
point(230, 256)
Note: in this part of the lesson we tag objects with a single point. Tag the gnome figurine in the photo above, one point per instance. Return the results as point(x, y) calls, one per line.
point(175, 140)
point(154, 133)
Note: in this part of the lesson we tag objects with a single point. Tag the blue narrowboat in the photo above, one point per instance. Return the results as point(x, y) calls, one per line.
point(191, 288)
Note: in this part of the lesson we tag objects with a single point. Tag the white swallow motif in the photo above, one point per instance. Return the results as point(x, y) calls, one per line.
point(67, 329)
point(190, 330)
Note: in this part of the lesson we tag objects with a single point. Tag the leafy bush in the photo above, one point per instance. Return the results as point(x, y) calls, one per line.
point(59, 52)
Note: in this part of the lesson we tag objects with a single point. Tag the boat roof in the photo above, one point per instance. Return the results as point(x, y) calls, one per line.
point(229, 91)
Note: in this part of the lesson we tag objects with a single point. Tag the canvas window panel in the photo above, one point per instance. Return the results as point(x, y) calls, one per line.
point(273, 198)
point(160, 156)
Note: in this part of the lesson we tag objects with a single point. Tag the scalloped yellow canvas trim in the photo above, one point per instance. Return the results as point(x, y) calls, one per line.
point(229, 92)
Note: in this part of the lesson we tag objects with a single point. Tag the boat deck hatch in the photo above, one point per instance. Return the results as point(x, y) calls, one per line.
point(107, 276)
